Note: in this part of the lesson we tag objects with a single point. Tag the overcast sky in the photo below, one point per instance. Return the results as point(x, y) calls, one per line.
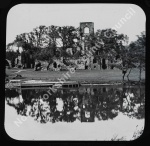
point(24, 17)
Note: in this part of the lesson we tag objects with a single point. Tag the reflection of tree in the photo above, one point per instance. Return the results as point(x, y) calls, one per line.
point(134, 101)
point(88, 107)
point(13, 99)
point(108, 105)
point(101, 102)
point(112, 102)
point(11, 93)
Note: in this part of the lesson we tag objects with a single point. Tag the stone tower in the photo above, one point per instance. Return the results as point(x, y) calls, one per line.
point(86, 28)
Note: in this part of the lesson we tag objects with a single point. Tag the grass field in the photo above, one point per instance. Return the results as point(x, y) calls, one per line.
point(89, 76)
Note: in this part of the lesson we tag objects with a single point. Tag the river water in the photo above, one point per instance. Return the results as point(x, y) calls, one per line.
point(85, 113)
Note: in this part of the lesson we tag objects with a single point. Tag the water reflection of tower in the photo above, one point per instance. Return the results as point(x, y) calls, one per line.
point(87, 109)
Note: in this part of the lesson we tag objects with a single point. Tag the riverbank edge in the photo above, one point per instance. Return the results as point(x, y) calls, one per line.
point(126, 82)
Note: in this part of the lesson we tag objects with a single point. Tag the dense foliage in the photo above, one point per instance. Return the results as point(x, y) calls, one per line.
point(44, 43)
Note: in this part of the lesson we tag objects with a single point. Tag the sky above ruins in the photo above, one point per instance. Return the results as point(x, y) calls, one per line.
point(23, 18)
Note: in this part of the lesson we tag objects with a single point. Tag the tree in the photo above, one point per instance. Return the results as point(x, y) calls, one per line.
point(131, 60)
point(67, 34)
point(137, 49)
point(109, 44)
point(39, 35)
point(133, 55)
point(22, 41)
point(51, 35)
point(11, 55)
point(141, 52)
point(9, 46)
point(51, 40)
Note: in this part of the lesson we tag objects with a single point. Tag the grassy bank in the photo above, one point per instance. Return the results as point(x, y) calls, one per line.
point(83, 76)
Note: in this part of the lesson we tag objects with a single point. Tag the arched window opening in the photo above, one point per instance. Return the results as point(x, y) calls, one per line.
point(86, 30)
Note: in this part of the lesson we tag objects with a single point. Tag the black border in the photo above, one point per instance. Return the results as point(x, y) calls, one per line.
point(5, 6)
